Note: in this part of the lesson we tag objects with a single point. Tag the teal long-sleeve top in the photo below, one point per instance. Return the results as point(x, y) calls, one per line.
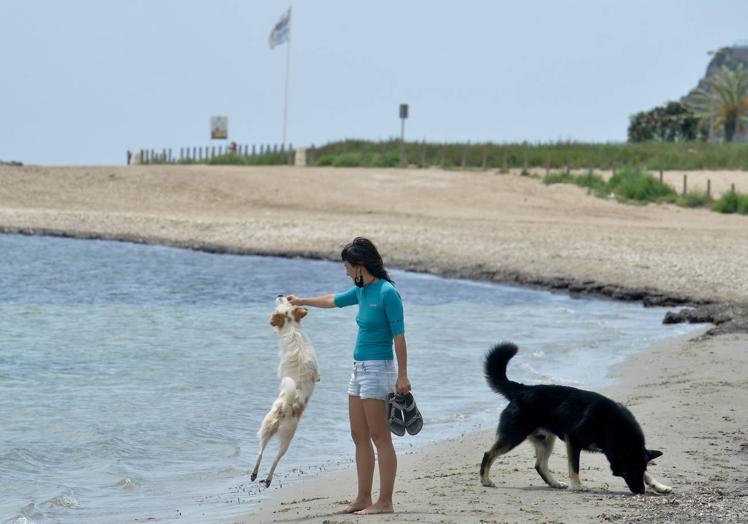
point(380, 318)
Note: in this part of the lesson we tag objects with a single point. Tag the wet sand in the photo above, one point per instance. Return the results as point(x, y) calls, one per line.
point(688, 395)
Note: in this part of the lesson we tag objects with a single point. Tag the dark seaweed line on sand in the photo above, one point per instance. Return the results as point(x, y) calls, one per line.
point(727, 317)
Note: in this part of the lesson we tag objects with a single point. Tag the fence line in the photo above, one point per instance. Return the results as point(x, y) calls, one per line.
point(207, 154)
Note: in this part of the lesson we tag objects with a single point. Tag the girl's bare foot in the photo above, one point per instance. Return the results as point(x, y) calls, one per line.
point(356, 505)
point(376, 508)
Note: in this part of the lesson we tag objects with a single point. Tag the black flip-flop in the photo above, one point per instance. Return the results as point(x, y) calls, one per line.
point(395, 416)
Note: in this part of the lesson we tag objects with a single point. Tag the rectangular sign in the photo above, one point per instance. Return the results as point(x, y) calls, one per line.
point(219, 127)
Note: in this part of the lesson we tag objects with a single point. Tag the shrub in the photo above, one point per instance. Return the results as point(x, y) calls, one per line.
point(228, 159)
point(558, 178)
point(349, 160)
point(325, 160)
point(694, 200)
point(743, 204)
point(732, 202)
point(632, 184)
point(673, 122)
point(591, 181)
point(727, 203)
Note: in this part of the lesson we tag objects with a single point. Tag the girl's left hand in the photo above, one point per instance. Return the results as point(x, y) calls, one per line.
point(402, 386)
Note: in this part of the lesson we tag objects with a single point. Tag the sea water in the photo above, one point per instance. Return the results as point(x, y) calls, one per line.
point(133, 378)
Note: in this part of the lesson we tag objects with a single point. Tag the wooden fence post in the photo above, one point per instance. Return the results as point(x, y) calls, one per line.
point(483, 160)
point(464, 156)
point(685, 184)
point(503, 161)
point(423, 154)
point(708, 187)
point(660, 176)
point(525, 160)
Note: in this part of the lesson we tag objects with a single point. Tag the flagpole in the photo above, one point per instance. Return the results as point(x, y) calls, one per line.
point(288, 69)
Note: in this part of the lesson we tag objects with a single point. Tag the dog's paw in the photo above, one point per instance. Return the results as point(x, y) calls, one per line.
point(487, 483)
point(577, 486)
point(267, 482)
point(253, 476)
point(560, 485)
point(662, 489)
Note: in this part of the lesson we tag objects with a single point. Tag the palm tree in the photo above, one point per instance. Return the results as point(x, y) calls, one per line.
point(724, 102)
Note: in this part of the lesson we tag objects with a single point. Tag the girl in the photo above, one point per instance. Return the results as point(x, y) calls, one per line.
point(380, 321)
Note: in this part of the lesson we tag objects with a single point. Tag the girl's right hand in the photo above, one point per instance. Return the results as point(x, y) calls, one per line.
point(294, 300)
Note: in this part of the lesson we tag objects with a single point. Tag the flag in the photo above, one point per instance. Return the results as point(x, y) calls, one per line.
point(281, 31)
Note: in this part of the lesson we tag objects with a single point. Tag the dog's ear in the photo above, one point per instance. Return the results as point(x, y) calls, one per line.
point(278, 320)
point(299, 313)
point(653, 453)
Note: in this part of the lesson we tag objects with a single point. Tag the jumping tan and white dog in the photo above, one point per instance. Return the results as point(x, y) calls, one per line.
point(298, 373)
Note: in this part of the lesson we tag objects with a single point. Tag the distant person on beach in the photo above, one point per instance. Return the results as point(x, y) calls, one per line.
point(380, 320)
point(129, 157)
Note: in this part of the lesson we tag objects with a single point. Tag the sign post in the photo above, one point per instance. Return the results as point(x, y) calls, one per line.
point(403, 116)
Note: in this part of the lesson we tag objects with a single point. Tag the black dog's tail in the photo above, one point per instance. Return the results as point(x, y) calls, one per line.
point(495, 369)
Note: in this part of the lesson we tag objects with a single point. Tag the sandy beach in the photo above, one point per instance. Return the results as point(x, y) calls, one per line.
point(690, 411)
point(688, 394)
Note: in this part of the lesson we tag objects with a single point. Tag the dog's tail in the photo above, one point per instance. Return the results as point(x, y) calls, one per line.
point(495, 369)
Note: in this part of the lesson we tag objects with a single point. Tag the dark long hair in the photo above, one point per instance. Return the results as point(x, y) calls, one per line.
point(363, 252)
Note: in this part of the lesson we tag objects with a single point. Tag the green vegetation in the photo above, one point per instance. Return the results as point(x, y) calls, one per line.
point(634, 186)
point(559, 178)
point(651, 156)
point(673, 122)
point(628, 185)
point(732, 202)
point(694, 199)
point(593, 182)
point(265, 159)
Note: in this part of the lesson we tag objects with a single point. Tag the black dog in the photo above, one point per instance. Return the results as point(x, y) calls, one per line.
point(583, 419)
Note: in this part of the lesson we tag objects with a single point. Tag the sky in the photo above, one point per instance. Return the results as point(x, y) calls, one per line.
point(83, 81)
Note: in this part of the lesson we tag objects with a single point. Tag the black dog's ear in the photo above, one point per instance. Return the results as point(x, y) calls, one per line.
point(653, 453)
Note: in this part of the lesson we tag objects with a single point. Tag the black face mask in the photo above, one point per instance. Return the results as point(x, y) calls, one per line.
point(359, 281)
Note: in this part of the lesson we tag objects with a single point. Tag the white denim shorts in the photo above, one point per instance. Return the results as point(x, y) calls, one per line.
point(372, 379)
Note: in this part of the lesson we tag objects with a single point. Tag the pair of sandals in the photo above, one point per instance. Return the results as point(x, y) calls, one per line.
point(403, 414)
